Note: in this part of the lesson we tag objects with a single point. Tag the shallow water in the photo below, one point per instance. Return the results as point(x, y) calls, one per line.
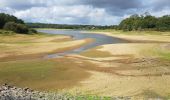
point(78, 35)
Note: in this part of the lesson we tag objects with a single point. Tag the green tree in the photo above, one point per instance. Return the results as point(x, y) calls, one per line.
point(139, 22)
point(149, 22)
point(4, 18)
point(18, 28)
point(163, 23)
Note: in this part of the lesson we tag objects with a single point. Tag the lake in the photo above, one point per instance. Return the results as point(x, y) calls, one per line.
point(99, 40)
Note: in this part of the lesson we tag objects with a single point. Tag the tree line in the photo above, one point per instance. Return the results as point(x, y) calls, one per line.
point(12, 23)
point(133, 23)
point(66, 26)
point(145, 22)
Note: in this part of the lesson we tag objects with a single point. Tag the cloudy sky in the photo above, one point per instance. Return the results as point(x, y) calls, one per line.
point(97, 12)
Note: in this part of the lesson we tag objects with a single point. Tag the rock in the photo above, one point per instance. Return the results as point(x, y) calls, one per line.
point(26, 89)
point(8, 92)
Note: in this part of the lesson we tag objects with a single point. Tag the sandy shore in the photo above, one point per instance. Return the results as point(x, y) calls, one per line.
point(128, 69)
point(138, 37)
point(37, 45)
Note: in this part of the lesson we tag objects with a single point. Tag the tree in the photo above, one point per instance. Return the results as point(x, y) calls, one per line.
point(131, 23)
point(145, 22)
point(149, 22)
point(18, 28)
point(4, 18)
point(163, 23)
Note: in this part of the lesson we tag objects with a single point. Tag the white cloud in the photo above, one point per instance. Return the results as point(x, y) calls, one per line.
point(103, 12)
point(67, 14)
point(165, 11)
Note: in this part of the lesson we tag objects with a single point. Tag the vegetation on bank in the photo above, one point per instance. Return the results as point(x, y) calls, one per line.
point(12, 23)
point(135, 32)
point(145, 22)
point(61, 73)
point(66, 26)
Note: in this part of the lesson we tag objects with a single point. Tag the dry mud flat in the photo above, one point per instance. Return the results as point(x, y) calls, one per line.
point(22, 46)
point(133, 70)
point(22, 61)
point(130, 69)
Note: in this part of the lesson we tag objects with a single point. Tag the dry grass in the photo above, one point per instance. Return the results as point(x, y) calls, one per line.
point(21, 63)
point(138, 50)
point(44, 74)
point(137, 36)
point(129, 69)
point(139, 70)
point(113, 85)
point(130, 78)
point(18, 45)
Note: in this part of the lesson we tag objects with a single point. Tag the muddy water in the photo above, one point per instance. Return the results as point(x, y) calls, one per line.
point(78, 35)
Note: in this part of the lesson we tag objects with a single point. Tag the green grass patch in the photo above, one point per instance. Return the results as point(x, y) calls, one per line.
point(20, 71)
point(156, 51)
point(165, 55)
point(90, 97)
point(8, 33)
point(93, 97)
point(42, 74)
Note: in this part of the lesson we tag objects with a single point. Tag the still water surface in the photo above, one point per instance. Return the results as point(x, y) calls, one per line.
point(78, 35)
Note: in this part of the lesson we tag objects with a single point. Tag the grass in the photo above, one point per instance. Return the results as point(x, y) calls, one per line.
point(22, 38)
point(150, 94)
point(19, 44)
point(92, 97)
point(3, 32)
point(18, 68)
point(113, 31)
point(164, 54)
point(22, 66)
point(117, 85)
point(100, 78)
point(157, 51)
point(42, 74)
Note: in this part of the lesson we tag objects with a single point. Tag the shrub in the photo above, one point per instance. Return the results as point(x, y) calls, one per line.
point(18, 28)
point(4, 18)
point(32, 31)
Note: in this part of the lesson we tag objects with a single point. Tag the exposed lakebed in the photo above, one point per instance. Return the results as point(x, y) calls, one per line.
point(99, 39)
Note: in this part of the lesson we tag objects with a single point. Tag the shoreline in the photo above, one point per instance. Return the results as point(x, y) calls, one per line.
point(137, 37)
point(35, 46)
point(126, 69)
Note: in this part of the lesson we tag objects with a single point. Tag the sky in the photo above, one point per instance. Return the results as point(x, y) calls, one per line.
point(91, 12)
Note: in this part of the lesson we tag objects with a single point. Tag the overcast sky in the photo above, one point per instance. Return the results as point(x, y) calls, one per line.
point(97, 12)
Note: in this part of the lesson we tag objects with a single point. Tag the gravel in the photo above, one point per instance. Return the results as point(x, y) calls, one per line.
point(8, 92)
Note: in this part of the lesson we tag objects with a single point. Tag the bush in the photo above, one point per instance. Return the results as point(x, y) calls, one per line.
point(4, 18)
point(18, 28)
point(32, 31)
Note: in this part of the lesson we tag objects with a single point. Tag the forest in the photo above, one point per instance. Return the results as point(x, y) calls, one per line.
point(67, 26)
point(12, 23)
point(145, 22)
point(133, 23)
